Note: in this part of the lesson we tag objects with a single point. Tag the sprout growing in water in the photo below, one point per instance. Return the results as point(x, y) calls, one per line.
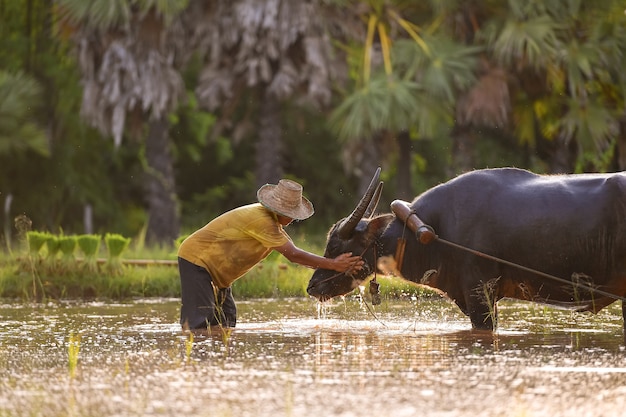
point(36, 240)
point(116, 244)
point(73, 348)
point(189, 346)
point(89, 245)
point(52, 243)
point(67, 245)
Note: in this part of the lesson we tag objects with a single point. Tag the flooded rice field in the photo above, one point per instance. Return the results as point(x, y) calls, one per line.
point(403, 358)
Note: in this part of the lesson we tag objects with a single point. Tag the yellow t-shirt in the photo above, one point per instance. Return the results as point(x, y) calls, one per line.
point(231, 244)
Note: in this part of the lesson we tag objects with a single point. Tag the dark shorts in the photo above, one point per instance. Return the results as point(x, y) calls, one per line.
point(203, 304)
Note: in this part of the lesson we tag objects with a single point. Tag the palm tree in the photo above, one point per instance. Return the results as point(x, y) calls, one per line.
point(261, 54)
point(127, 56)
point(422, 73)
point(547, 71)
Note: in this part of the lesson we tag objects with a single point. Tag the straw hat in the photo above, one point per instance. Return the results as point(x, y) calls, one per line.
point(285, 199)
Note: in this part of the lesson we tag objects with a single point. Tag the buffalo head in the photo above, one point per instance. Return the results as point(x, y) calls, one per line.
point(356, 234)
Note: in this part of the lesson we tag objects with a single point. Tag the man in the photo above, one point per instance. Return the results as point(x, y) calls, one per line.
point(216, 255)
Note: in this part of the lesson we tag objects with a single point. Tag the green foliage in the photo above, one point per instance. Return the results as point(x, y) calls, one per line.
point(384, 103)
point(105, 14)
point(53, 176)
point(273, 279)
point(395, 288)
point(36, 241)
point(73, 350)
point(562, 60)
point(191, 127)
point(19, 96)
point(46, 278)
point(116, 244)
point(52, 243)
point(75, 282)
point(67, 245)
point(534, 37)
point(444, 70)
point(89, 244)
point(180, 240)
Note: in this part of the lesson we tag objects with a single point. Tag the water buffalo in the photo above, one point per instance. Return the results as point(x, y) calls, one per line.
point(567, 226)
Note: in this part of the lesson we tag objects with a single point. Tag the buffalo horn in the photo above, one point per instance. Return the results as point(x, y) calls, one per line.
point(348, 225)
point(374, 203)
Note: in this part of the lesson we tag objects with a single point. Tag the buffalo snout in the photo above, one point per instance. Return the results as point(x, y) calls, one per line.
point(326, 284)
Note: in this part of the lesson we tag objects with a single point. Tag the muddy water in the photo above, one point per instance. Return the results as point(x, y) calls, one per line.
point(404, 358)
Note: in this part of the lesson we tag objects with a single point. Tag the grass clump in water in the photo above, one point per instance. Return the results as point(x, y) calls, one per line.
point(116, 244)
point(36, 240)
point(89, 244)
point(73, 349)
point(67, 246)
point(53, 246)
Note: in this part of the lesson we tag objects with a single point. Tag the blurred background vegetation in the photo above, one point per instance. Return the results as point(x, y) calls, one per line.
point(150, 117)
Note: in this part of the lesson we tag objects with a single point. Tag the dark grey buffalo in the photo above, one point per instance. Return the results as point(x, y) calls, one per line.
point(568, 226)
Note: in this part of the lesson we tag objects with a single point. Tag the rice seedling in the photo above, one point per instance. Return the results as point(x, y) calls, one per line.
point(73, 349)
point(67, 246)
point(227, 333)
point(36, 240)
point(52, 243)
point(488, 294)
point(188, 347)
point(273, 278)
point(116, 244)
point(90, 245)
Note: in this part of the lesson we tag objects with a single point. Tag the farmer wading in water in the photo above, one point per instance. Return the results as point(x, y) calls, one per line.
point(215, 256)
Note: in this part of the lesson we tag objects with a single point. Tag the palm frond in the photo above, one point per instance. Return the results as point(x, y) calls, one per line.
point(108, 14)
point(523, 43)
point(98, 14)
point(591, 123)
point(449, 67)
point(168, 9)
point(19, 95)
point(387, 103)
point(578, 59)
point(384, 103)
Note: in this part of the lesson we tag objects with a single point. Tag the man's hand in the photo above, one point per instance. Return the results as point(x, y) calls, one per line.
point(346, 262)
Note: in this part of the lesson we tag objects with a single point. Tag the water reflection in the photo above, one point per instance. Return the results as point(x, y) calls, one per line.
point(414, 358)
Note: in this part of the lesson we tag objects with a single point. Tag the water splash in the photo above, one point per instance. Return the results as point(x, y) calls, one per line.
point(322, 310)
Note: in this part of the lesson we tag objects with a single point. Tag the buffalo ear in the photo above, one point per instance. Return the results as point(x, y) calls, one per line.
point(377, 225)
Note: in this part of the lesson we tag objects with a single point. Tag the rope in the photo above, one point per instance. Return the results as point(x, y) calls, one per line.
point(533, 271)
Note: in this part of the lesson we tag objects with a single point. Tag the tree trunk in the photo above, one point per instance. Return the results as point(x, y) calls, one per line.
point(269, 147)
point(163, 215)
point(404, 190)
